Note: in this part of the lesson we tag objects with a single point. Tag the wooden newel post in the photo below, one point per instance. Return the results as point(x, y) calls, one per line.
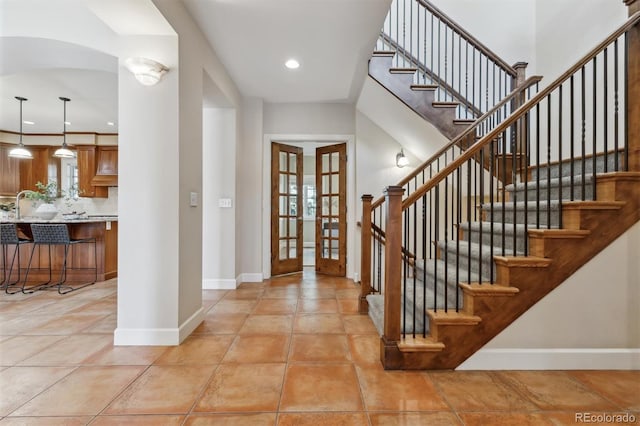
point(393, 271)
point(365, 258)
point(633, 89)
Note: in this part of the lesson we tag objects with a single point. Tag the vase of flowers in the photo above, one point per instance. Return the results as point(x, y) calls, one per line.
point(43, 200)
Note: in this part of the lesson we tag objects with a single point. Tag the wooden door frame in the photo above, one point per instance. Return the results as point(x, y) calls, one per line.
point(352, 206)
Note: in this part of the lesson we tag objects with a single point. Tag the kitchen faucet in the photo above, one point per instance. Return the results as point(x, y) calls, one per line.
point(18, 202)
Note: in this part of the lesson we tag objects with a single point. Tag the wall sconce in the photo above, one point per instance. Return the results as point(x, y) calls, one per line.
point(401, 160)
point(147, 71)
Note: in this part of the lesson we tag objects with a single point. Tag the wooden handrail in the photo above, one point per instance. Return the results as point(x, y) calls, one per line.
point(517, 114)
point(528, 83)
point(464, 34)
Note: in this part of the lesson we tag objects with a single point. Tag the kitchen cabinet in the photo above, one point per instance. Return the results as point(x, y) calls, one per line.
point(42, 168)
point(106, 166)
point(9, 172)
point(87, 166)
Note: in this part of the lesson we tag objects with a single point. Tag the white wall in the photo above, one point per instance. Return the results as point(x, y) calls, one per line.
point(566, 30)
point(507, 27)
point(589, 321)
point(249, 192)
point(319, 118)
point(196, 59)
point(218, 225)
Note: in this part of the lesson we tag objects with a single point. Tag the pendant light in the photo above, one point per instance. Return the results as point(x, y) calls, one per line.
point(20, 151)
point(64, 151)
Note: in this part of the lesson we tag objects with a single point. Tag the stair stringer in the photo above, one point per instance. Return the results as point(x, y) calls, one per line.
point(418, 98)
point(555, 255)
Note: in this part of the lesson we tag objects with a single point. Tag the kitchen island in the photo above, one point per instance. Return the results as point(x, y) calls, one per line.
point(81, 256)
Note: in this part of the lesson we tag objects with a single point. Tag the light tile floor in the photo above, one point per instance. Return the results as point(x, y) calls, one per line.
point(289, 351)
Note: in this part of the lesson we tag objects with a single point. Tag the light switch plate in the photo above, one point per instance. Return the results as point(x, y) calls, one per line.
point(193, 199)
point(225, 203)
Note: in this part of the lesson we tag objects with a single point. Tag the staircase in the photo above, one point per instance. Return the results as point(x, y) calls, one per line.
point(506, 212)
point(438, 69)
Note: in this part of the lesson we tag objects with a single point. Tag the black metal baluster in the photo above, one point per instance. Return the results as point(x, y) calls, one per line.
point(605, 112)
point(466, 75)
point(538, 166)
point(458, 220)
point(584, 136)
point(469, 214)
point(594, 161)
point(525, 163)
point(625, 70)
point(424, 264)
point(405, 262)
point(436, 213)
point(616, 116)
point(549, 161)
point(559, 152)
point(571, 145)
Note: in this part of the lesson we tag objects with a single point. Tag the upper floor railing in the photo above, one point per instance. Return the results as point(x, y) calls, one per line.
point(464, 70)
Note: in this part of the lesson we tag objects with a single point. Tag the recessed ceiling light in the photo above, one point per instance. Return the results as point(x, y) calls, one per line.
point(110, 123)
point(292, 64)
point(28, 122)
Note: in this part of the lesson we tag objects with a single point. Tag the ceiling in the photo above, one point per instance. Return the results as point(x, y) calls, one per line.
point(332, 39)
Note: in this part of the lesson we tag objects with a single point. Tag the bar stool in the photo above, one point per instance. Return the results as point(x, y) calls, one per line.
point(9, 237)
point(52, 235)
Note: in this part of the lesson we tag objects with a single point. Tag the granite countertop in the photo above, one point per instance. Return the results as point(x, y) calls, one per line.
point(62, 219)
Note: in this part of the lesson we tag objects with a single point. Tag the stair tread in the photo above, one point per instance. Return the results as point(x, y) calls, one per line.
point(440, 265)
point(445, 104)
point(497, 228)
point(424, 87)
point(509, 205)
point(384, 53)
point(402, 70)
point(546, 183)
point(452, 246)
point(464, 121)
point(419, 344)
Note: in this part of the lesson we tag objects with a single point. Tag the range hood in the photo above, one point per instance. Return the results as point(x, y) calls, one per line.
point(105, 180)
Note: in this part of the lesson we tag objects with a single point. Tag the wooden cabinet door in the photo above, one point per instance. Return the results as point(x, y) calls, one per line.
point(86, 171)
point(37, 169)
point(107, 160)
point(9, 172)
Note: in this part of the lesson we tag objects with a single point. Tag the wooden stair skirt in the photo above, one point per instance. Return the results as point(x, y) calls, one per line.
point(555, 254)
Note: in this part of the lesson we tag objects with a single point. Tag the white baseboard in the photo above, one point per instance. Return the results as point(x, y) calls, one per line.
point(553, 359)
point(157, 336)
point(187, 327)
point(249, 278)
point(219, 284)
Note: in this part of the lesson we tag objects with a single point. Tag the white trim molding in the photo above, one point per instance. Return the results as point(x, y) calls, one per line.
point(219, 284)
point(157, 336)
point(299, 139)
point(249, 278)
point(553, 359)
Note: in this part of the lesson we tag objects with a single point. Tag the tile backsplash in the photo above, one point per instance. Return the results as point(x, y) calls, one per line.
point(94, 206)
point(106, 206)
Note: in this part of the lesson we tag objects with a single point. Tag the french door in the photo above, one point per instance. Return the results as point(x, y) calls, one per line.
point(331, 210)
point(286, 208)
